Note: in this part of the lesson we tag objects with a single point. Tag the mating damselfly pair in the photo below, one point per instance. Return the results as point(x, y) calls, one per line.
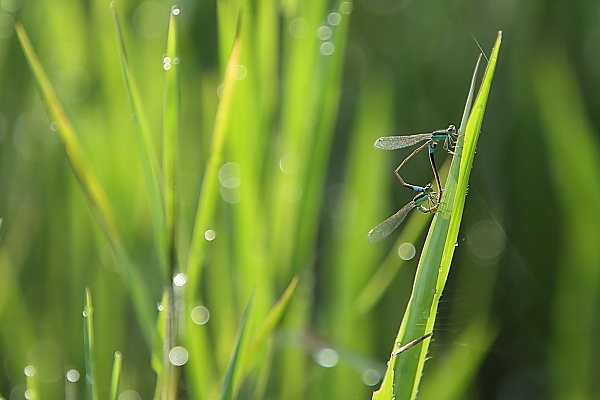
point(425, 193)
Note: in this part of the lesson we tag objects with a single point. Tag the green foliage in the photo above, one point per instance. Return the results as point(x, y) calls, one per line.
point(225, 153)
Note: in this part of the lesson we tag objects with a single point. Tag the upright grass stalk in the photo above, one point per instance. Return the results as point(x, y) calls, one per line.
point(438, 250)
point(196, 339)
point(91, 187)
point(571, 139)
point(172, 122)
point(115, 376)
point(88, 338)
point(147, 149)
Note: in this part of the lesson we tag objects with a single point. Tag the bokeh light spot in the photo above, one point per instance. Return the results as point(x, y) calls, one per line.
point(200, 315)
point(371, 377)
point(327, 358)
point(406, 251)
point(299, 28)
point(178, 356)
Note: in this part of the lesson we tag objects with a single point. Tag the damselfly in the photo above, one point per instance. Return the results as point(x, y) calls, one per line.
point(447, 135)
point(384, 229)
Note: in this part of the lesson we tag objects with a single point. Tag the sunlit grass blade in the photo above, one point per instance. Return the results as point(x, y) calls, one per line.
point(167, 374)
point(88, 338)
point(172, 117)
point(439, 246)
point(93, 191)
point(266, 327)
point(147, 148)
point(227, 389)
point(389, 385)
point(209, 189)
point(115, 376)
point(33, 389)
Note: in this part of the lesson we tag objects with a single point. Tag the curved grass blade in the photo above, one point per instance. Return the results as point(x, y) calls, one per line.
point(88, 338)
point(146, 146)
point(90, 186)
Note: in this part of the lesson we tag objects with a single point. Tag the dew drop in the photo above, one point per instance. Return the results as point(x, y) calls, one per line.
point(30, 371)
point(324, 32)
point(334, 18)
point(175, 10)
point(209, 235)
point(200, 315)
point(346, 7)
point(229, 175)
point(240, 72)
point(180, 279)
point(73, 375)
point(406, 251)
point(327, 48)
point(289, 163)
point(371, 377)
point(178, 356)
point(299, 28)
point(327, 358)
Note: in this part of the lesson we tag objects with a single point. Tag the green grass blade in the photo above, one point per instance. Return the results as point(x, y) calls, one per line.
point(167, 382)
point(439, 247)
point(159, 357)
point(93, 191)
point(146, 147)
point(571, 138)
point(31, 380)
point(209, 189)
point(387, 389)
point(88, 338)
point(172, 121)
point(267, 326)
point(80, 166)
point(116, 376)
point(227, 389)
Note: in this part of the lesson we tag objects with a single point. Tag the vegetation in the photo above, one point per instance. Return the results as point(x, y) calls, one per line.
point(186, 193)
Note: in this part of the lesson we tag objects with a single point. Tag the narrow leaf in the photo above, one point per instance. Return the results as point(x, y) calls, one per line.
point(88, 338)
point(116, 376)
point(172, 113)
point(227, 389)
point(146, 147)
point(93, 191)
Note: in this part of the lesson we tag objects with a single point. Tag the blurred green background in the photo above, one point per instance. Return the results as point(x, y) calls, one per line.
point(300, 187)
